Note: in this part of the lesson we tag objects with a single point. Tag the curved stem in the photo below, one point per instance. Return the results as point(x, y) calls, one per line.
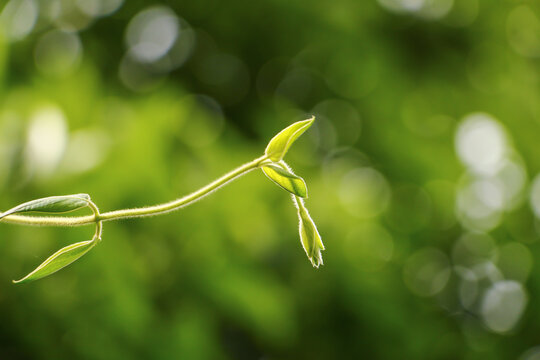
point(138, 212)
point(99, 223)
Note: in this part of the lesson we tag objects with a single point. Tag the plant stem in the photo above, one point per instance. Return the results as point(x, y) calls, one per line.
point(138, 212)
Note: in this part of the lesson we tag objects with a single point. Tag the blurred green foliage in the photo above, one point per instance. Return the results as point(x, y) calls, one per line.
point(421, 169)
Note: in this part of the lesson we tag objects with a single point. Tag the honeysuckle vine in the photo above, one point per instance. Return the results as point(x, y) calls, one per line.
point(271, 164)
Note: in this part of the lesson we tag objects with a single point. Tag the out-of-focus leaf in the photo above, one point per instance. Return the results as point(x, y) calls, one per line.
point(280, 144)
point(51, 204)
point(3, 57)
point(58, 260)
point(309, 235)
point(286, 179)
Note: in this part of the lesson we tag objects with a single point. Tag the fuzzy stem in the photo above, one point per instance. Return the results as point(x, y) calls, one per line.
point(138, 212)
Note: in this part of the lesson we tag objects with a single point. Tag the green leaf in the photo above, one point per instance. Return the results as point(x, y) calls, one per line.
point(280, 144)
point(58, 260)
point(51, 204)
point(286, 179)
point(309, 235)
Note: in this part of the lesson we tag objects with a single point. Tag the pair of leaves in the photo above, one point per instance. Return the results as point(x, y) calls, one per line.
point(281, 174)
point(66, 255)
point(276, 149)
point(309, 235)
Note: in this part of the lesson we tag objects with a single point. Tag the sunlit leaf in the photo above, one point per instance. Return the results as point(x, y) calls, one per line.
point(280, 144)
point(309, 235)
point(58, 260)
point(51, 204)
point(286, 179)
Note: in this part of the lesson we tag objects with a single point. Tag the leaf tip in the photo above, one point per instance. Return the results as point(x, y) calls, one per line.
point(316, 257)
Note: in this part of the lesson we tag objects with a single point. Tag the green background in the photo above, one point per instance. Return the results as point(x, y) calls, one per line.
point(421, 171)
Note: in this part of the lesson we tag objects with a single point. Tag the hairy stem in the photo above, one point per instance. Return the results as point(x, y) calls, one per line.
point(138, 212)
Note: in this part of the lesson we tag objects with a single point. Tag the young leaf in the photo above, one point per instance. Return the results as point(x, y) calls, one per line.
point(51, 204)
point(286, 179)
point(280, 144)
point(58, 260)
point(309, 235)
